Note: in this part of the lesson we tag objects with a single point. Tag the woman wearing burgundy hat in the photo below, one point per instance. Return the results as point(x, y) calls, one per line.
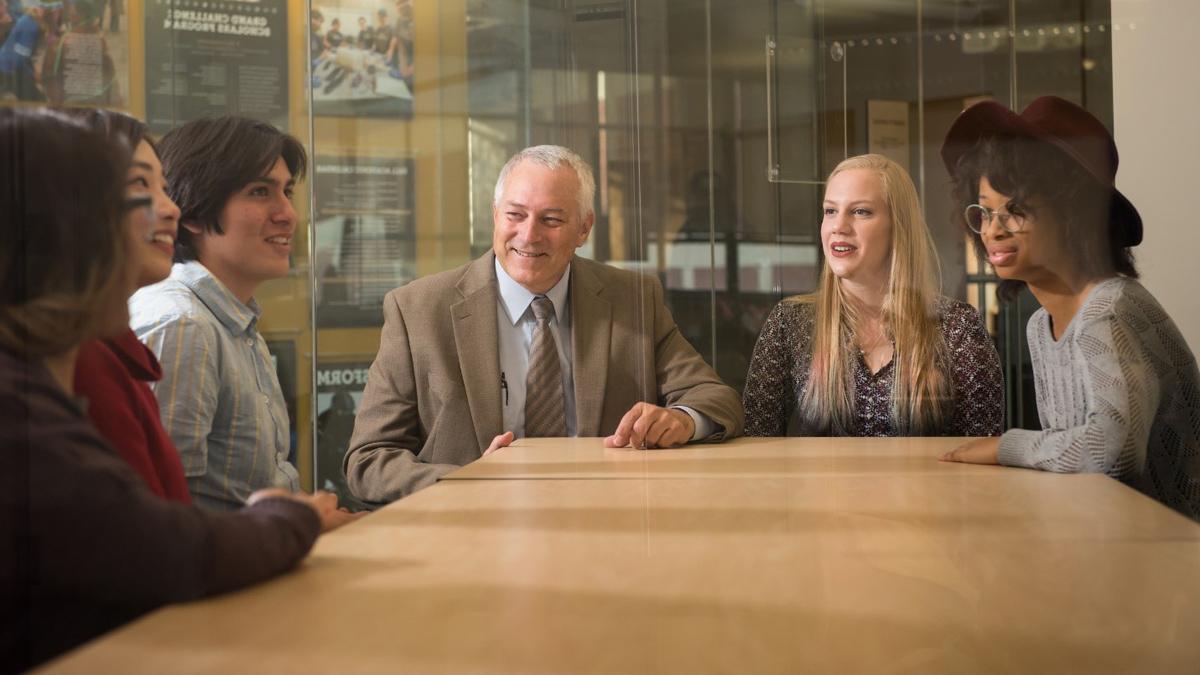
point(1118, 390)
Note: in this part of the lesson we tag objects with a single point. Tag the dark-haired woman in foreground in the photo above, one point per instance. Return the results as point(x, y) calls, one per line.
point(85, 545)
point(1118, 391)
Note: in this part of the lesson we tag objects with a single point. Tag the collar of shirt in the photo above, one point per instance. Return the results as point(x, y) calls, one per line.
point(237, 317)
point(516, 298)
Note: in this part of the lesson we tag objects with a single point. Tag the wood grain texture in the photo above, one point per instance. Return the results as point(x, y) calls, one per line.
point(739, 458)
point(848, 556)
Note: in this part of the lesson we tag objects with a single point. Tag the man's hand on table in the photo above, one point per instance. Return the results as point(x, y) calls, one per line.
point(978, 451)
point(649, 426)
point(503, 440)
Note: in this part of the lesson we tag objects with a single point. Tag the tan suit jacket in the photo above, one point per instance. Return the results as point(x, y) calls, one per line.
point(432, 400)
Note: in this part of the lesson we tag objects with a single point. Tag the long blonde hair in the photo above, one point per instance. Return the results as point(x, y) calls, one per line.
point(920, 390)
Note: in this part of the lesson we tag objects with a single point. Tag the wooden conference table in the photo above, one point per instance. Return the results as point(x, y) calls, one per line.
point(758, 556)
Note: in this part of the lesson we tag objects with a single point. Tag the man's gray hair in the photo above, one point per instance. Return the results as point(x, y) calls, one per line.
point(552, 157)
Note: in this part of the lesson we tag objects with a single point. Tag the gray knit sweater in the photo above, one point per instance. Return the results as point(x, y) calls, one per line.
point(1118, 394)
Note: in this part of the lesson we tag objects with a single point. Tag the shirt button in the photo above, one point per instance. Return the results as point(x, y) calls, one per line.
point(266, 398)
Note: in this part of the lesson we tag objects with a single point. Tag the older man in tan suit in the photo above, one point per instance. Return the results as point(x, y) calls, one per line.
point(529, 340)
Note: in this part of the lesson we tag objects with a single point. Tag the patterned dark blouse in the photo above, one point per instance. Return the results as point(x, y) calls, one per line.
point(782, 357)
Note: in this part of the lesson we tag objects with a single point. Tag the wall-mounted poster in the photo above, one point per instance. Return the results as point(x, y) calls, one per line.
point(362, 57)
point(365, 236)
point(887, 130)
point(63, 52)
point(339, 392)
point(215, 57)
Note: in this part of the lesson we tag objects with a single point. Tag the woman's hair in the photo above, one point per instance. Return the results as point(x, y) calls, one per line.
point(117, 126)
point(1037, 176)
point(920, 390)
point(206, 161)
point(60, 218)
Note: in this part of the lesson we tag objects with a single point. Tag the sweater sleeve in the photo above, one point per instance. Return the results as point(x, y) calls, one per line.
point(96, 534)
point(1121, 397)
point(106, 537)
point(769, 395)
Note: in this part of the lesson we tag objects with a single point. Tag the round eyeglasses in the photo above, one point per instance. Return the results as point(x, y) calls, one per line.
point(979, 217)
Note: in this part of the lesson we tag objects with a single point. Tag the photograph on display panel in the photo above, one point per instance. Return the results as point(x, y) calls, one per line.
point(63, 52)
point(362, 58)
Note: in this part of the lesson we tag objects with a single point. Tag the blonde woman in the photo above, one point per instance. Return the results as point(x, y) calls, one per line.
point(876, 350)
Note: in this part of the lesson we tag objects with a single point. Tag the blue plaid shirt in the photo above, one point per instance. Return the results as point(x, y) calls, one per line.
point(219, 395)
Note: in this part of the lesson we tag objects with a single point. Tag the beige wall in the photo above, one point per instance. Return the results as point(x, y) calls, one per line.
point(1156, 101)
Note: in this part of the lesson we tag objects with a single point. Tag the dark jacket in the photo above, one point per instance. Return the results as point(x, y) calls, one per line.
point(85, 546)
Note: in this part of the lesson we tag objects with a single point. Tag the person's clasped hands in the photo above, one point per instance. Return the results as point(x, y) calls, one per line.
point(325, 504)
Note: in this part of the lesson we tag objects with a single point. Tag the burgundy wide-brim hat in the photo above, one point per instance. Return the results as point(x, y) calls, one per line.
point(1062, 124)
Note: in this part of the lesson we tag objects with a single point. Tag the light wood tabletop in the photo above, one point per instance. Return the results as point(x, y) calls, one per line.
point(742, 457)
point(954, 569)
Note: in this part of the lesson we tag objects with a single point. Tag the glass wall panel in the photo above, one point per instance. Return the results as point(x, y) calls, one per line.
point(390, 100)
point(711, 126)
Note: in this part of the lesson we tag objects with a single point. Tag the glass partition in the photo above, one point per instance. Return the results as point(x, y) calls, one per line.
point(711, 126)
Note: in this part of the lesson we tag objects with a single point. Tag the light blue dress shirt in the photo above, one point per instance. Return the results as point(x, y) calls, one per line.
point(515, 324)
point(219, 396)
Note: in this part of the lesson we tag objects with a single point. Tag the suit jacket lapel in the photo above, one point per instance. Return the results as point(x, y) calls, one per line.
point(591, 333)
point(477, 341)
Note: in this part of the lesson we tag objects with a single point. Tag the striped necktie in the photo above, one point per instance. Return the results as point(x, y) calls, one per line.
point(543, 383)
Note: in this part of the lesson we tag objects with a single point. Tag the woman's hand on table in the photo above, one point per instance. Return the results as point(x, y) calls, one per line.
point(978, 451)
point(325, 504)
